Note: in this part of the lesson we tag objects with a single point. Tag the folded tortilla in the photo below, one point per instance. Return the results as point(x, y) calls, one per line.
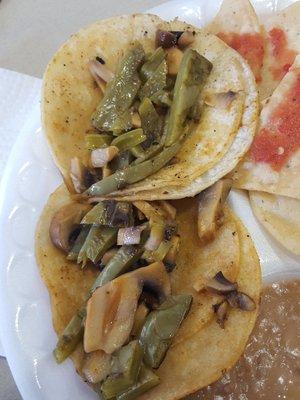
point(70, 97)
point(202, 350)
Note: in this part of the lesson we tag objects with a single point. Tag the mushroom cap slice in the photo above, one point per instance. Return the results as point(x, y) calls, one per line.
point(112, 307)
point(210, 209)
point(63, 223)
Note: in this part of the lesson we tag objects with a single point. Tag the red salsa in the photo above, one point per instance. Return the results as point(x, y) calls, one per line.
point(280, 138)
point(250, 46)
point(284, 57)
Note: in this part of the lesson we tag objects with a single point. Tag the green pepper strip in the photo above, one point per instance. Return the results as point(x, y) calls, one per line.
point(133, 173)
point(143, 155)
point(79, 242)
point(72, 334)
point(70, 337)
point(98, 241)
point(161, 326)
point(112, 114)
point(193, 71)
point(129, 139)
point(126, 365)
point(156, 83)
point(152, 123)
point(153, 62)
point(96, 141)
point(146, 381)
point(119, 264)
point(115, 214)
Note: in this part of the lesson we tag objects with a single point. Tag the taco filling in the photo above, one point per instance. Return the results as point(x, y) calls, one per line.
point(149, 106)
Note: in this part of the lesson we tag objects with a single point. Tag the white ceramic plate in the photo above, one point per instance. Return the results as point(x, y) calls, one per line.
point(26, 331)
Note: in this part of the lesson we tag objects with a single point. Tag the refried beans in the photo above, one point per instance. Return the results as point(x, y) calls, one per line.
point(270, 366)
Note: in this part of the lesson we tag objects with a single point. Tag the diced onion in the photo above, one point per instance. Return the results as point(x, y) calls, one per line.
point(131, 235)
point(100, 157)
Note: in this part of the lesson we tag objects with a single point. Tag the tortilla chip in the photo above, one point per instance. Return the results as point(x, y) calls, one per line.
point(70, 96)
point(260, 175)
point(282, 32)
point(280, 216)
point(237, 25)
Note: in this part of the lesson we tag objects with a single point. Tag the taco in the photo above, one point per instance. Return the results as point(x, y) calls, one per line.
point(170, 102)
point(272, 163)
point(280, 215)
point(147, 302)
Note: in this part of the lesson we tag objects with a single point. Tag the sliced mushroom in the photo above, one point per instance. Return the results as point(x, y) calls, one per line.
point(155, 279)
point(219, 100)
point(100, 157)
point(156, 236)
point(165, 39)
point(63, 224)
point(241, 301)
point(170, 259)
point(110, 315)
point(80, 176)
point(220, 285)
point(150, 210)
point(169, 210)
point(140, 215)
point(100, 73)
point(221, 311)
point(139, 319)
point(96, 366)
point(112, 307)
point(174, 57)
point(210, 209)
point(186, 39)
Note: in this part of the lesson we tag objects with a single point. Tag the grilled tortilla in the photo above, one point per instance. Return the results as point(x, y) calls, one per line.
point(202, 350)
point(215, 144)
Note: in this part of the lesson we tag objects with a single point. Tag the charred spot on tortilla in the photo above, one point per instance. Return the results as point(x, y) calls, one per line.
point(100, 59)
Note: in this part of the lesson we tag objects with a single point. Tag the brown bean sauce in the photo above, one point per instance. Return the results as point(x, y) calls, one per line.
point(270, 366)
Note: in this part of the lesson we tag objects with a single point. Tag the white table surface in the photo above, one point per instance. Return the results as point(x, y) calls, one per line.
point(30, 32)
